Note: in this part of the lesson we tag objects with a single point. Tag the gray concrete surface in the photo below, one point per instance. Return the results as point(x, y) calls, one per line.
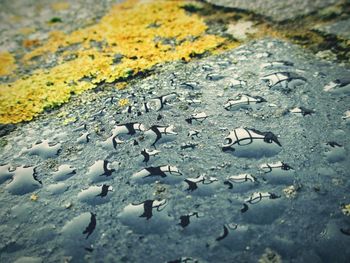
point(276, 10)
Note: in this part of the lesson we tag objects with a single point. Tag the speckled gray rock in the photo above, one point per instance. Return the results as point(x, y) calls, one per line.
point(276, 10)
point(76, 15)
point(202, 176)
point(340, 29)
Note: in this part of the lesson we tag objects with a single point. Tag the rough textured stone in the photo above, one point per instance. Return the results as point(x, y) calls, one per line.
point(340, 29)
point(276, 10)
point(22, 19)
point(191, 198)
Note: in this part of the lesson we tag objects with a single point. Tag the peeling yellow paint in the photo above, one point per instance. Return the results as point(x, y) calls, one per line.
point(138, 31)
point(7, 63)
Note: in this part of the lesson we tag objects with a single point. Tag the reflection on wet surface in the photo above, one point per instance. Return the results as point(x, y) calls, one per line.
point(95, 194)
point(278, 172)
point(243, 101)
point(24, 180)
point(44, 149)
point(245, 142)
point(100, 171)
point(5, 172)
point(164, 173)
point(64, 172)
point(338, 86)
point(149, 216)
point(218, 161)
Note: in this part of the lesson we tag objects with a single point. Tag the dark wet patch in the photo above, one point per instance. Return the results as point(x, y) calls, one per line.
point(5, 173)
point(335, 152)
point(6, 129)
point(56, 20)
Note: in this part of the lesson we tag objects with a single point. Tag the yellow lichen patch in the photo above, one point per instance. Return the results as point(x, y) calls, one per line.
point(270, 256)
point(56, 38)
point(121, 85)
point(143, 34)
point(29, 43)
point(59, 6)
point(123, 102)
point(26, 30)
point(7, 64)
point(346, 210)
point(69, 120)
point(15, 18)
point(34, 197)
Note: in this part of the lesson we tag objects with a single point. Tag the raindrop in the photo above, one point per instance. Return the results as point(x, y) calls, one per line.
point(44, 149)
point(97, 194)
point(244, 142)
point(149, 216)
point(24, 181)
point(100, 171)
point(64, 172)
